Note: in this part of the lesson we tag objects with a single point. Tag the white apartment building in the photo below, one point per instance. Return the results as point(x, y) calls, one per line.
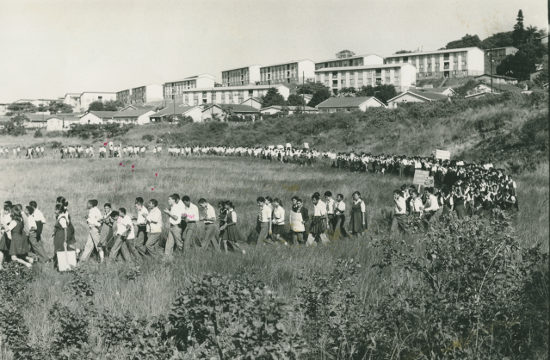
point(88, 97)
point(356, 60)
point(293, 72)
point(229, 94)
point(241, 76)
point(443, 63)
point(141, 94)
point(191, 82)
point(72, 99)
point(402, 76)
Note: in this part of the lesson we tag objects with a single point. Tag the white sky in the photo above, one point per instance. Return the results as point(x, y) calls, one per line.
point(50, 47)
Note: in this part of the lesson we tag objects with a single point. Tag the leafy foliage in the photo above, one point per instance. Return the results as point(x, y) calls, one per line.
point(272, 97)
point(231, 318)
point(466, 41)
point(466, 300)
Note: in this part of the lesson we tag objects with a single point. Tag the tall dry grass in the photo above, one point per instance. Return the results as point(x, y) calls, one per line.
point(239, 180)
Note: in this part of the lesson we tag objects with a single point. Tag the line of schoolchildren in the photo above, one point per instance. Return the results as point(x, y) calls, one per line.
point(326, 221)
point(30, 152)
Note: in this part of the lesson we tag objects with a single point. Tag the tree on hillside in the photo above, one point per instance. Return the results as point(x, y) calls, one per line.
point(403, 52)
point(113, 105)
point(519, 66)
point(319, 91)
point(347, 91)
point(518, 35)
point(381, 92)
point(542, 77)
point(272, 97)
point(15, 126)
point(295, 100)
point(96, 106)
point(466, 41)
point(23, 107)
point(497, 40)
point(60, 108)
point(343, 54)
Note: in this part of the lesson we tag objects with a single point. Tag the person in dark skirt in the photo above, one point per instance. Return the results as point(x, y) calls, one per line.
point(358, 215)
point(5, 220)
point(63, 236)
point(19, 241)
point(231, 236)
point(319, 221)
point(278, 220)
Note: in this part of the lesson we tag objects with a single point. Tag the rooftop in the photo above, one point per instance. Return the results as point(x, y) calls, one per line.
point(345, 102)
point(241, 67)
point(426, 95)
point(285, 63)
point(351, 57)
point(362, 67)
point(193, 77)
point(433, 52)
point(239, 108)
point(242, 87)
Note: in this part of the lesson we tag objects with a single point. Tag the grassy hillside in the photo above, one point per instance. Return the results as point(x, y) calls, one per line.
point(474, 129)
point(115, 311)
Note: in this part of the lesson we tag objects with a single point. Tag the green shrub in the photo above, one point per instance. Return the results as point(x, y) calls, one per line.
point(228, 318)
point(466, 301)
point(148, 137)
point(38, 133)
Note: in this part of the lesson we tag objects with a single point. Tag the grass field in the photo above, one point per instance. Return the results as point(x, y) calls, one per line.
point(235, 179)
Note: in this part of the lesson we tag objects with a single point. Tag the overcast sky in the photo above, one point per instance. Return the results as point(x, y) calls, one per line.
point(50, 47)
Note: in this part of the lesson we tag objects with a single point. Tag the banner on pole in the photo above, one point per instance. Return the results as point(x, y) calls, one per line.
point(422, 177)
point(443, 154)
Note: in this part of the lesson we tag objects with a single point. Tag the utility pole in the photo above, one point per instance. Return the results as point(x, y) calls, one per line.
point(303, 101)
point(491, 61)
point(174, 102)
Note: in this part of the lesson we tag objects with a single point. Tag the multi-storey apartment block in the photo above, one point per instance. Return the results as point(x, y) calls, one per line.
point(146, 93)
point(229, 94)
point(355, 60)
point(402, 76)
point(496, 55)
point(294, 72)
point(124, 96)
point(141, 94)
point(242, 76)
point(175, 88)
point(443, 63)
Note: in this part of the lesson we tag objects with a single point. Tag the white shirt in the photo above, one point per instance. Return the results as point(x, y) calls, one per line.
point(434, 204)
point(340, 207)
point(191, 213)
point(330, 206)
point(94, 217)
point(296, 221)
point(31, 222)
point(123, 225)
point(417, 205)
point(142, 216)
point(38, 216)
point(154, 217)
point(320, 209)
point(279, 215)
point(175, 211)
point(400, 204)
point(265, 214)
point(210, 214)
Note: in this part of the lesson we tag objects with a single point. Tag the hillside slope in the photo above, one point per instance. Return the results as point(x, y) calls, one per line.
point(494, 127)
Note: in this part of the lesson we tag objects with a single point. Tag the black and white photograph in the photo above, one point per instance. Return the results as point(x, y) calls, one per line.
point(274, 179)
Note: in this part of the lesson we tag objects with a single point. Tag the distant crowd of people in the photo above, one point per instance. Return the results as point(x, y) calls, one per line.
point(18, 152)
